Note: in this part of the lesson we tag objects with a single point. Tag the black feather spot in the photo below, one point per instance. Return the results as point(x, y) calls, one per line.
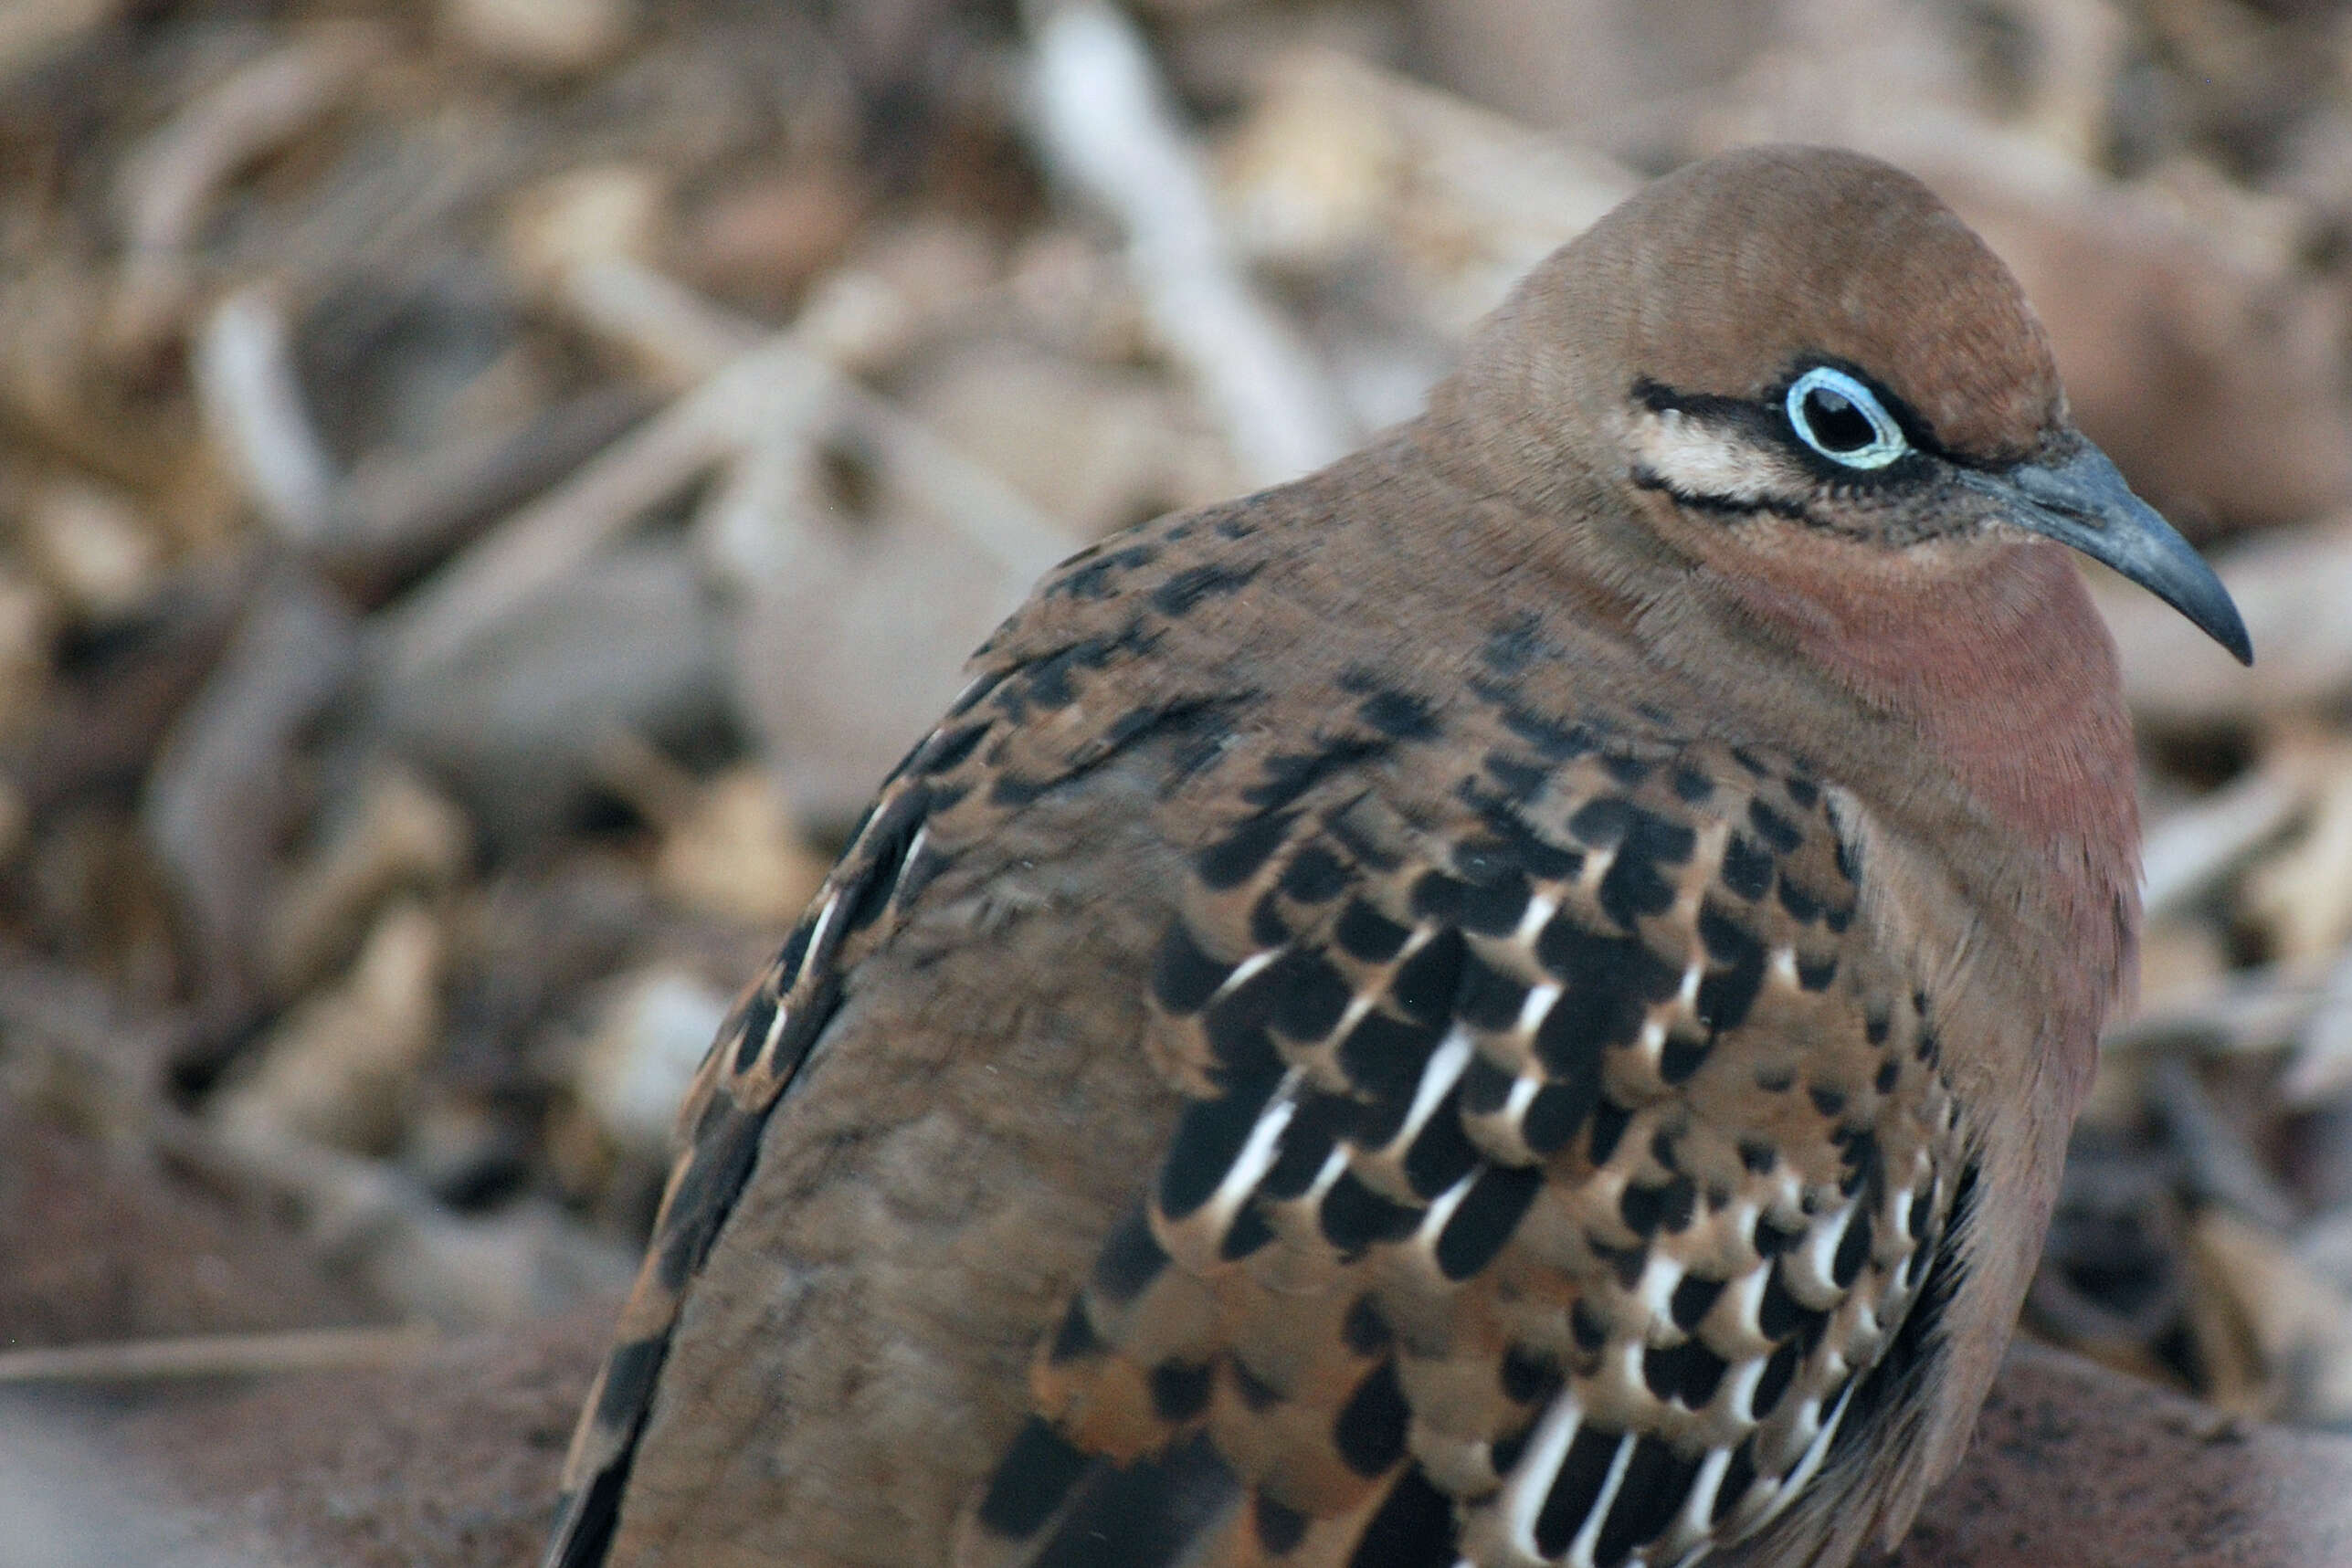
point(1365, 1327)
point(629, 1371)
point(1816, 975)
point(1738, 1475)
point(1423, 985)
point(1585, 1328)
point(1488, 999)
point(1279, 1529)
point(1313, 995)
point(1180, 1390)
point(1582, 1473)
point(1437, 896)
point(1413, 1527)
point(726, 1142)
point(1382, 1056)
point(1130, 1260)
point(1075, 1338)
point(1647, 1210)
point(1601, 823)
point(1859, 1151)
point(1681, 1057)
point(1747, 867)
point(1250, 1231)
point(1518, 782)
point(1441, 1154)
point(1692, 1299)
point(1775, 829)
point(1308, 1138)
point(1399, 714)
point(1492, 907)
point(1689, 1371)
point(1486, 1087)
point(1314, 876)
point(1031, 1481)
point(947, 749)
point(1235, 858)
point(1725, 994)
point(1626, 770)
point(1183, 977)
point(1209, 1138)
point(1558, 1109)
point(1369, 1430)
point(1527, 1375)
point(1353, 1217)
point(1235, 1028)
point(1853, 1250)
point(1608, 985)
point(1256, 1393)
point(1289, 774)
point(1779, 1372)
point(1657, 1479)
point(1483, 1221)
point(1364, 932)
point(1608, 1120)
point(1184, 590)
point(1772, 1240)
point(759, 1017)
point(1782, 1316)
point(1554, 742)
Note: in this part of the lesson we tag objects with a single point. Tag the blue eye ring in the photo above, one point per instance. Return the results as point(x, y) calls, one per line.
point(1831, 428)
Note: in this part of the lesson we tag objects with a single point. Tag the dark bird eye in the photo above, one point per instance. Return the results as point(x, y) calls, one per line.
point(1843, 420)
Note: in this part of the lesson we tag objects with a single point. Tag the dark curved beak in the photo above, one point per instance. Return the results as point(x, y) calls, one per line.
point(2078, 499)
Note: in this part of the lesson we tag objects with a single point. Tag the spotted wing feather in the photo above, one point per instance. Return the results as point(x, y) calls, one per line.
point(1557, 1169)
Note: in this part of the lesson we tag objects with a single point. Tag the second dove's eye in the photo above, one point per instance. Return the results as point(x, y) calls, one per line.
point(1843, 420)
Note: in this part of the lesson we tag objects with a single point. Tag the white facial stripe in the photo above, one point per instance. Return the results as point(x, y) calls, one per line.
point(1698, 459)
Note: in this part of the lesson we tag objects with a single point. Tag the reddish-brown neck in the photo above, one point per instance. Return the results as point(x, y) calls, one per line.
point(2004, 669)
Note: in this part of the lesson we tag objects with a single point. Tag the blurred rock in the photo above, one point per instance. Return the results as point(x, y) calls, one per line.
point(512, 723)
point(2301, 897)
point(399, 835)
point(653, 1031)
point(562, 37)
point(1340, 164)
point(28, 622)
point(33, 33)
point(219, 796)
point(762, 240)
point(1591, 68)
point(734, 852)
point(341, 1068)
point(2297, 1325)
point(94, 548)
point(1094, 448)
point(832, 674)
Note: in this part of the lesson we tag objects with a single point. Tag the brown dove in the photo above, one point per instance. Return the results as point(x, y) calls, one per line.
point(1515, 1001)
